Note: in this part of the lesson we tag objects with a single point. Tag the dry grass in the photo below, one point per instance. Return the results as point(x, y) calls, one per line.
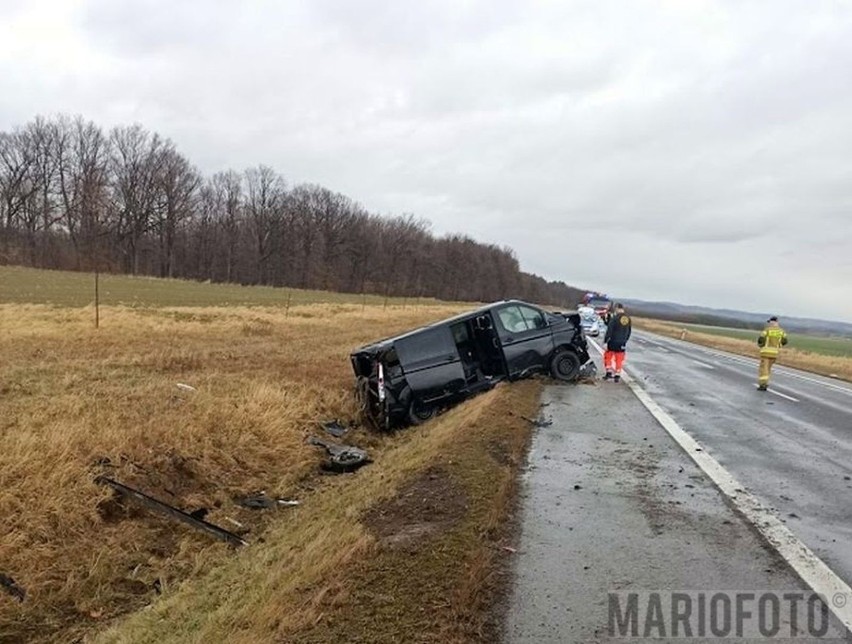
point(71, 397)
point(323, 576)
point(834, 366)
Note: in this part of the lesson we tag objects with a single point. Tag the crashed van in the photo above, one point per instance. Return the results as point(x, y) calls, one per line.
point(407, 379)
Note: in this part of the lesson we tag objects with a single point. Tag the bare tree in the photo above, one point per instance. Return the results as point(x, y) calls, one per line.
point(82, 152)
point(71, 195)
point(177, 185)
point(136, 162)
point(265, 191)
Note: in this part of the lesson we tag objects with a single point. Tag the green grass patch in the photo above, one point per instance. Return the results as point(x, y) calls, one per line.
point(21, 285)
point(841, 347)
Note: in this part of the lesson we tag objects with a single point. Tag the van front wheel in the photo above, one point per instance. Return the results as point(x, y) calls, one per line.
point(419, 412)
point(565, 365)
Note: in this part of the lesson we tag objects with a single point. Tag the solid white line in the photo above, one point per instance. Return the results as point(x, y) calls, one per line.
point(810, 568)
point(703, 364)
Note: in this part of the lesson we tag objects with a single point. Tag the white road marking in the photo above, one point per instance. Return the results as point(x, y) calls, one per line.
point(810, 568)
point(778, 393)
point(783, 370)
point(703, 364)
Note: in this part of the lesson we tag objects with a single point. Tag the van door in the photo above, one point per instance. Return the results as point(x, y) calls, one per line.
point(525, 336)
point(431, 362)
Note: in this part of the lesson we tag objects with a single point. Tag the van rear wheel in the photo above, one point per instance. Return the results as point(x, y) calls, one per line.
point(419, 412)
point(565, 365)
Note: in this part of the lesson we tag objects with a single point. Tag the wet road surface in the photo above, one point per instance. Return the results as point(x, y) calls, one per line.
point(611, 503)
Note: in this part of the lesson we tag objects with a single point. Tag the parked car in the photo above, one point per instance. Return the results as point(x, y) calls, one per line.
point(407, 379)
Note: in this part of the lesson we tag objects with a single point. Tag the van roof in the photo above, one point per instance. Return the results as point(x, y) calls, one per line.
point(380, 345)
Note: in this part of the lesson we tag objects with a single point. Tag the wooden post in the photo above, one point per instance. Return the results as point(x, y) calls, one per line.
point(287, 311)
point(97, 300)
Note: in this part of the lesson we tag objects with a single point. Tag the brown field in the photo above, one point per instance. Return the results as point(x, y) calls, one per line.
point(827, 365)
point(76, 402)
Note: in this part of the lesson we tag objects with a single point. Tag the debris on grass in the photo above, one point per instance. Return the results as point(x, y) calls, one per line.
point(335, 428)
point(185, 387)
point(260, 501)
point(342, 458)
point(192, 520)
point(11, 587)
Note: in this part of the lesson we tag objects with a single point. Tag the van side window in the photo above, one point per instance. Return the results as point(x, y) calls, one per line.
point(533, 317)
point(512, 320)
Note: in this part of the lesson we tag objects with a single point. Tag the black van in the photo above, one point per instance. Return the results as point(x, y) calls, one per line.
point(408, 378)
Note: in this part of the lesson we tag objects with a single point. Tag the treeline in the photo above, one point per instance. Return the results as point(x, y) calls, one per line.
point(76, 196)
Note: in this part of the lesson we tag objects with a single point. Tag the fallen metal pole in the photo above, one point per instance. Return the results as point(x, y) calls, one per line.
point(173, 512)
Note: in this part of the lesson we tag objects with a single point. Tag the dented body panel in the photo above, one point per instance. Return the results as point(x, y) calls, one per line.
point(408, 378)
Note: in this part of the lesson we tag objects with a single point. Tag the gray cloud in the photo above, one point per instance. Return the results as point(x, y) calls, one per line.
point(684, 151)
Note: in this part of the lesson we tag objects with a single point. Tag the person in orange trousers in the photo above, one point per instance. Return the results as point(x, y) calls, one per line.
point(615, 343)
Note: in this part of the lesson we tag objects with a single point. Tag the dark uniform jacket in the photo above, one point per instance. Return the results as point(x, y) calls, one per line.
point(618, 332)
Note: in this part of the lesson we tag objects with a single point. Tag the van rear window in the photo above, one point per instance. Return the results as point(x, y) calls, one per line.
point(425, 345)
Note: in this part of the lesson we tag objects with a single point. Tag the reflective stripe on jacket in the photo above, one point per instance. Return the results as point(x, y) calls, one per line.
point(771, 340)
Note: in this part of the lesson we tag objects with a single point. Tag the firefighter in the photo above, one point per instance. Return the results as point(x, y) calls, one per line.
point(771, 339)
point(615, 343)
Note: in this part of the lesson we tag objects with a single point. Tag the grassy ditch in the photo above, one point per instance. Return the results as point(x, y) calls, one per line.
point(76, 402)
point(803, 352)
point(405, 550)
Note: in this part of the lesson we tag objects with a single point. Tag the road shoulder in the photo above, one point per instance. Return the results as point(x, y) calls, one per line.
point(611, 504)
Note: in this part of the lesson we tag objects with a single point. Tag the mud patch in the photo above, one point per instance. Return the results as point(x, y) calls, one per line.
point(501, 452)
point(428, 506)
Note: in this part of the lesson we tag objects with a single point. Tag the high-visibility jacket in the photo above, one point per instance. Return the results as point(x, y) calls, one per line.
point(771, 339)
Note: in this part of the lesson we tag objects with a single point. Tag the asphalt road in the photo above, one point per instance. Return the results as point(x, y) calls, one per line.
point(611, 503)
point(791, 446)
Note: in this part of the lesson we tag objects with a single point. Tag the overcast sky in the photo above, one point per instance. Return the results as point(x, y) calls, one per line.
point(681, 150)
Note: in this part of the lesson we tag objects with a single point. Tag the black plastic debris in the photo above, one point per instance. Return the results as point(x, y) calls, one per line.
point(334, 428)
point(164, 508)
point(11, 587)
point(200, 513)
point(262, 502)
point(342, 458)
point(539, 422)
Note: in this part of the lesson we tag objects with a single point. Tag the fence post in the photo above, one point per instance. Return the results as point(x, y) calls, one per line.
point(97, 300)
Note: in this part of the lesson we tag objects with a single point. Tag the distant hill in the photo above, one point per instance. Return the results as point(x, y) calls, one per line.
point(733, 318)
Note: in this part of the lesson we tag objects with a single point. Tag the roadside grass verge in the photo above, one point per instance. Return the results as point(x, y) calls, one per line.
point(404, 550)
point(835, 366)
point(834, 346)
point(67, 288)
point(76, 402)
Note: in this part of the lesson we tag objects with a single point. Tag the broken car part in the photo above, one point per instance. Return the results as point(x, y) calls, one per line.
point(170, 511)
point(262, 502)
point(335, 428)
point(342, 458)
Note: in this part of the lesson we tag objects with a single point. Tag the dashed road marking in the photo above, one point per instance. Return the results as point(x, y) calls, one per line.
point(778, 369)
point(778, 393)
point(703, 364)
